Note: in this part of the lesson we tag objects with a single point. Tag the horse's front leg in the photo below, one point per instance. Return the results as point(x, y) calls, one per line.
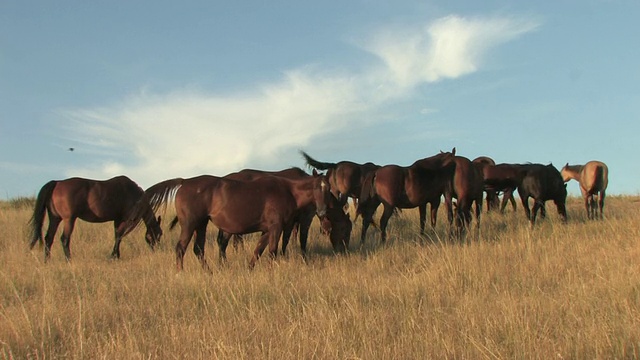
point(117, 232)
point(186, 233)
point(223, 242)
point(434, 212)
point(601, 204)
point(536, 206)
point(262, 244)
point(54, 222)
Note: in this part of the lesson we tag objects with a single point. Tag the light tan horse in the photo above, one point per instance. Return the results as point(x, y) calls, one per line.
point(593, 178)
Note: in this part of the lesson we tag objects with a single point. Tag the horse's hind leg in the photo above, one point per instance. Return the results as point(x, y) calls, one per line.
point(54, 221)
point(601, 204)
point(65, 238)
point(422, 209)
point(384, 221)
point(587, 204)
point(199, 244)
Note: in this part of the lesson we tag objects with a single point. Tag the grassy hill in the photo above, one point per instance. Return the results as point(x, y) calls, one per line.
point(553, 292)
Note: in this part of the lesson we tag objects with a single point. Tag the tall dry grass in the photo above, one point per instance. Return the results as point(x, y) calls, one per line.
point(555, 292)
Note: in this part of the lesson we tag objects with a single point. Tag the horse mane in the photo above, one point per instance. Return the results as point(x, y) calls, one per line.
point(317, 164)
point(151, 200)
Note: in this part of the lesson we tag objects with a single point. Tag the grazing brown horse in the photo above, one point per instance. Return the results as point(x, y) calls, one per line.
point(593, 178)
point(505, 178)
point(423, 182)
point(542, 183)
point(467, 187)
point(493, 202)
point(345, 177)
point(332, 224)
point(267, 205)
point(93, 201)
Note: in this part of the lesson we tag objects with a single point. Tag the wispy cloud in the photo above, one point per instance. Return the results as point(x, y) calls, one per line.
point(448, 48)
point(152, 137)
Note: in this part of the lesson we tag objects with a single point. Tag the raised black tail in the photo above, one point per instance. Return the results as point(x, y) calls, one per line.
point(37, 219)
point(317, 164)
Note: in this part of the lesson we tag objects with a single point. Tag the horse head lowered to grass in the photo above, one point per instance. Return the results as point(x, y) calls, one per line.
point(267, 205)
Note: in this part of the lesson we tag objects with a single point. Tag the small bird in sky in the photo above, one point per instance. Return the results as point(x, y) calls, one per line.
point(71, 149)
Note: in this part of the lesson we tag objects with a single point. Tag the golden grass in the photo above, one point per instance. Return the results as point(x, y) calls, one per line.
point(555, 292)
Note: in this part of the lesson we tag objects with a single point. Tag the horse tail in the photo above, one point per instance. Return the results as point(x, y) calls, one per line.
point(317, 164)
point(598, 182)
point(153, 198)
point(37, 219)
point(173, 223)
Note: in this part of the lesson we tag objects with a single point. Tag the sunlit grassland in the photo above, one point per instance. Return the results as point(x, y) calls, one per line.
point(553, 292)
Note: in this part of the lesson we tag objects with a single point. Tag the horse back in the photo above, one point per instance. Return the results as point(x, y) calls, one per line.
point(542, 182)
point(248, 206)
point(95, 200)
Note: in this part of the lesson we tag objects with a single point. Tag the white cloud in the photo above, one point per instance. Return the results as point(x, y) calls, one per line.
point(185, 133)
point(448, 48)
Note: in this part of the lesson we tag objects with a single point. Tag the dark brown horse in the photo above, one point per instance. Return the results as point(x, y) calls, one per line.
point(542, 183)
point(397, 187)
point(505, 178)
point(345, 177)
point(493, 202)
point(467, 187)
point(333, 224)
point(93, 201)
point(593, 178)
point(267, 205)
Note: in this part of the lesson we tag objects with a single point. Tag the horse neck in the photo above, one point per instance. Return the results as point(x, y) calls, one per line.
point(302, 191)
point(575, 171)
point(147, 216)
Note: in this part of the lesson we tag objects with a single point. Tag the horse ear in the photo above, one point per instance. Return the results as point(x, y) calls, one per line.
point(453, 151)
point(315, 172)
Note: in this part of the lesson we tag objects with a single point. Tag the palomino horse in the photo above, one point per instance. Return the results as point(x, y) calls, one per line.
point(467, 187)
point(345, 177)
point(93, 201)
point(493, 202)
point(334, 224)
point(267, 205)
point(542, 183)
point(423, 182)
point(593, 178)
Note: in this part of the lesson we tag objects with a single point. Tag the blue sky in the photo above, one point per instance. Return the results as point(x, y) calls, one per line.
point(163, 89)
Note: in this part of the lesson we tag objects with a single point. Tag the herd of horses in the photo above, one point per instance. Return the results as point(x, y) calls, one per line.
point(282, 204)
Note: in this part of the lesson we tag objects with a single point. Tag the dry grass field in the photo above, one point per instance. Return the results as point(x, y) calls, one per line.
point(555, 292)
